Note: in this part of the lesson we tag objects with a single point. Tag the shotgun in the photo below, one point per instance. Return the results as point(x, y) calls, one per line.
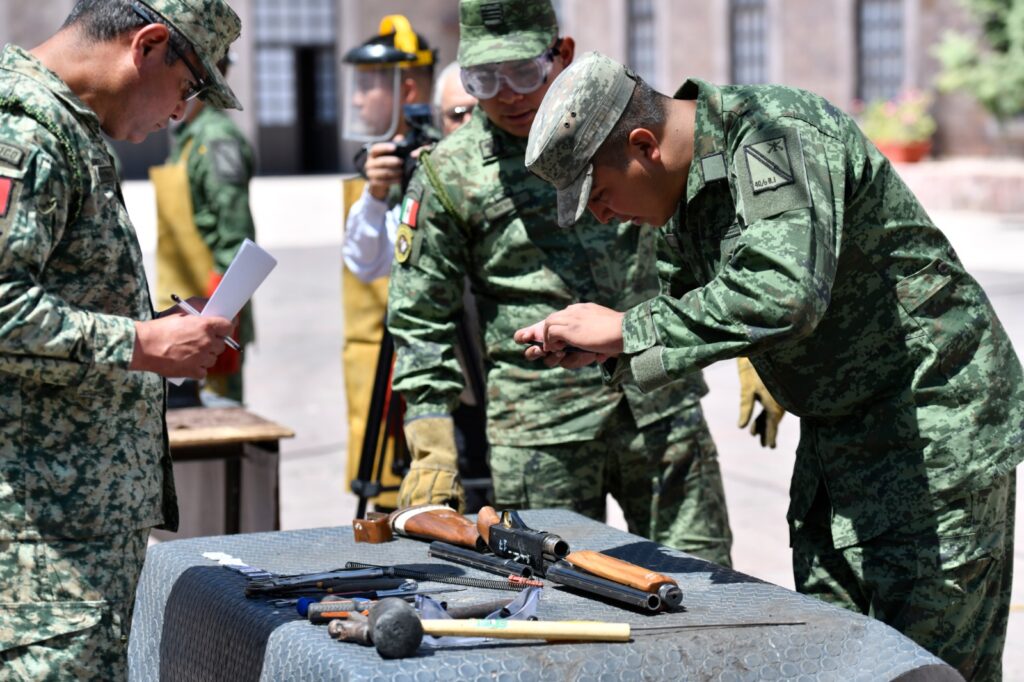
point(509, 537)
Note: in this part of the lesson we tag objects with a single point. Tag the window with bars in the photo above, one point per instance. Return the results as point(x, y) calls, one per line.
point(879, 49)
point(641, 42)
point(326, 87)
point(299, 22)
point(280, 28)
point(275, 81)
point(748, 28)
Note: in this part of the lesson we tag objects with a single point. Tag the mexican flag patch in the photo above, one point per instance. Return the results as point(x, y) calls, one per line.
point(410, 209)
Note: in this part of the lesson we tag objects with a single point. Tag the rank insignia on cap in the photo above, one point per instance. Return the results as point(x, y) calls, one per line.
point(410, 209)
point(403, 243)
point(6, 189)
point(493, 15)
point(769, 165)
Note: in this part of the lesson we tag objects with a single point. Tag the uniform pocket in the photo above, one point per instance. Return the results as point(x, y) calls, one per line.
point(915, 290)
point(27, 623)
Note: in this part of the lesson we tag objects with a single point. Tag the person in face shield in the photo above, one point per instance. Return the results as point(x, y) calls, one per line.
point(389, 72)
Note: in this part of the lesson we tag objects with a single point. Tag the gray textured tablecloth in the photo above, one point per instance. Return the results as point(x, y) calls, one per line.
point(193, 622)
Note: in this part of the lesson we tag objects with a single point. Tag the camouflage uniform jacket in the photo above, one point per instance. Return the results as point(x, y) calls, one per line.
point(810, 255)
point(500, 230)
point(220, 164)
point(83, 442)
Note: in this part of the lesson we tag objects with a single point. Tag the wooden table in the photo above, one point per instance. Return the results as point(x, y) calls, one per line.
point(224, 433)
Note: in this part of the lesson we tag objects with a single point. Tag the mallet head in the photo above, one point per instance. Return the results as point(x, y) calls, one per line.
point(395, 628)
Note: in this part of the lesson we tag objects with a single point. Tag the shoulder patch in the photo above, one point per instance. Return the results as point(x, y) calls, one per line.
point(12, 154)
point(768, 165)
point(227, 162)
point(6, 190)
point(772, 175)
point(406, 244)
point(410, 211)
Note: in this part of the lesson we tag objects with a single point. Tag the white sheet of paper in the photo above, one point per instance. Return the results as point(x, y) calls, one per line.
point(244, 276)
point(246, 273)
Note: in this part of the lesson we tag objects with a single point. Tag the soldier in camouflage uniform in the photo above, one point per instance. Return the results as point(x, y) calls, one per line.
point(84, 466)
point(806, 251)
point(473, 210)
point(212, 156)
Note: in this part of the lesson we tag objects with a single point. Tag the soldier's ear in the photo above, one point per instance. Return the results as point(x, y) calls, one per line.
point(409, 92)
point(567, 50)
point(147, 40)
point(644, 146)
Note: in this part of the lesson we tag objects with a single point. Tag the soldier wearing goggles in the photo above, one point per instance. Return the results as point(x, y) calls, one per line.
point(522, 75)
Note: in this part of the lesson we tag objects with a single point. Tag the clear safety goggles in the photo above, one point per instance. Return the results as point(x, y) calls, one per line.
point(522, 76)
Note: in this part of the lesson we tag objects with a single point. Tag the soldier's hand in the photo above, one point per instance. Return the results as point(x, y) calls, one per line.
point(593, 331)
point(383, 169)
point(433, 477)
point(179, 345)
point(752, 389)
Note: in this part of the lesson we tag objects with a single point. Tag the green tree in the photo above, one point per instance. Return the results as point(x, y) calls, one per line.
point(993, 72)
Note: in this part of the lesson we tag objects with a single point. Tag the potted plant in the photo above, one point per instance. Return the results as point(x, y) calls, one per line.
point(901, 128)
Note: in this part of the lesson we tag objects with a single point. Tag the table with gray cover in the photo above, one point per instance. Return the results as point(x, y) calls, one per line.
point(193, 622)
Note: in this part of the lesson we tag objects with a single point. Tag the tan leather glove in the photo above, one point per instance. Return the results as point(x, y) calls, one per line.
point(433, 477)
point(753, 389)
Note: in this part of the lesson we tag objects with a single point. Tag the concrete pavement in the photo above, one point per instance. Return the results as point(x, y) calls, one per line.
point(293, 373)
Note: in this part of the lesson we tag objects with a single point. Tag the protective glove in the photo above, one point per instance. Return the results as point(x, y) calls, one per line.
point(433, 477)
point(753, 389)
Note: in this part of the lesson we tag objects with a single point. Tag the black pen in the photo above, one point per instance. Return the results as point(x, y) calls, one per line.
point(567, 349)
point(192, 311)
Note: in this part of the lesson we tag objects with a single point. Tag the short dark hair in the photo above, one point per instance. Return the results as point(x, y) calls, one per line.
point(102, 20)
point(646, 109)
point(424, 78)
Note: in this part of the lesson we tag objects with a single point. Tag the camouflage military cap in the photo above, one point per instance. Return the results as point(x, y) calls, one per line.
point(210, 26)
point(579, 110)
point(492, 31)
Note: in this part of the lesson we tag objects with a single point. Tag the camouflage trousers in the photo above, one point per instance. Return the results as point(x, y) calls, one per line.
point(944, 581)
point(66, 606)
point(665, 477)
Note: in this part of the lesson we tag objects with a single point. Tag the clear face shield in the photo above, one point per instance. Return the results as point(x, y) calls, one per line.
point(372, 103)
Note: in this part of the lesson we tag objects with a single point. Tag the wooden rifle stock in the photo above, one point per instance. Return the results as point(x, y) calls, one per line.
point(626, 573)
point(436, 522)
point(618, 570)
point(485, 518)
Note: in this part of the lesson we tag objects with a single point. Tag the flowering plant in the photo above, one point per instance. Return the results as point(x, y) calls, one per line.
point(901, 120)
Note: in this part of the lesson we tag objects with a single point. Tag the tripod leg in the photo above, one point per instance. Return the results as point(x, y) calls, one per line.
point(366, 485)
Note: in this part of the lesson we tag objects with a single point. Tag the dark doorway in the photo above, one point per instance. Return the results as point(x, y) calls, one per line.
point(317, 109)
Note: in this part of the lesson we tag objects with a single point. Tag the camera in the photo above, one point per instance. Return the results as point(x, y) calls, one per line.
point(419, 120)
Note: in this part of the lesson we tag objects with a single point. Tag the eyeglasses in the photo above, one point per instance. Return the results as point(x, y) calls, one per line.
point(458, 114)
point(522, 76)
point(199, 84)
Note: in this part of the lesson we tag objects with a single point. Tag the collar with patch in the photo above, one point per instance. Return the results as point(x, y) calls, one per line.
point(709, 160)
point(499, 144)
point(18, 60)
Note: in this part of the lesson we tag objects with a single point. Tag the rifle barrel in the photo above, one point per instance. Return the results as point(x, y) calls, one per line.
point(563, 573)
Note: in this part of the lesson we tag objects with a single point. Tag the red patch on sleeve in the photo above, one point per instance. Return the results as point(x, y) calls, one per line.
point(6, 190)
